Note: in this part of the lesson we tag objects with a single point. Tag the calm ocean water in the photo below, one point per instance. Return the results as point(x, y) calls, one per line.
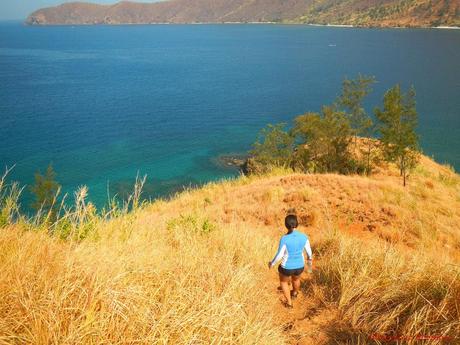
point(103, 102)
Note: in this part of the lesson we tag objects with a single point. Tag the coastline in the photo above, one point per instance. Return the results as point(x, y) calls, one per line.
point(441, 27)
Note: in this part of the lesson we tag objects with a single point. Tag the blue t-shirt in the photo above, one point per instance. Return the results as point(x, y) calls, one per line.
point(290, 250)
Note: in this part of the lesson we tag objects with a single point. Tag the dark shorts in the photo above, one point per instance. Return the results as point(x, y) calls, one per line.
point(293, 272)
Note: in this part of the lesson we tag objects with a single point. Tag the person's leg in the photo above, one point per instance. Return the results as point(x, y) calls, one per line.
point(284, 283)
point(279, 287)
point(296, 284)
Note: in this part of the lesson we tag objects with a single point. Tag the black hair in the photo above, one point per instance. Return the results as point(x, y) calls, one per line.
point(291, 222)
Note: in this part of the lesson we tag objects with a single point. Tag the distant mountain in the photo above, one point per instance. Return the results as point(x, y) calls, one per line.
point(406, 13)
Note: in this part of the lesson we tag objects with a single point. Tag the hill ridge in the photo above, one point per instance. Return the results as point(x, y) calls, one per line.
point(193, 268)
point(385, 13)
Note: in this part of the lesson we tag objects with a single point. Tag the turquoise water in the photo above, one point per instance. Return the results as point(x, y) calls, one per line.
point(104, 102)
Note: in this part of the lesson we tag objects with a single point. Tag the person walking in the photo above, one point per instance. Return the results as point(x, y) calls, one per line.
point(290, 253)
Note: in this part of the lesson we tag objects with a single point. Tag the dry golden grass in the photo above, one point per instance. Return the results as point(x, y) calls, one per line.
point(158, 284)
point(193, 270)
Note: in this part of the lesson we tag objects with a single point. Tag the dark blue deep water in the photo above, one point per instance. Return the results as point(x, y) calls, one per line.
point(103, 102)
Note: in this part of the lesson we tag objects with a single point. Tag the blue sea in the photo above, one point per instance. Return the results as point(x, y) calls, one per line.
point(103, 103)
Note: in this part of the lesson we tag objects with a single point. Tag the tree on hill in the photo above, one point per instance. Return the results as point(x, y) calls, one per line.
point(321, 142)
point(45, 191)
point(354, 91)
point(398, 122)
point(273, 147)
point(324, 138)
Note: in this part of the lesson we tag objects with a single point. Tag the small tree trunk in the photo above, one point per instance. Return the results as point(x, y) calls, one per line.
point(403, 170)
point(402, 165)
point(368, 168)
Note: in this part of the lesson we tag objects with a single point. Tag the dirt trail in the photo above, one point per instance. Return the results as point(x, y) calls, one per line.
point(309, 322)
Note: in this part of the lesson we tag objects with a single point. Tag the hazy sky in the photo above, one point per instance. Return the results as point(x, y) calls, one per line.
point(20, 9)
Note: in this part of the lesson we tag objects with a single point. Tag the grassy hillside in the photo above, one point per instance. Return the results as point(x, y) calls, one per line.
point(193, 269)
point(412, 13)
point(404, 13)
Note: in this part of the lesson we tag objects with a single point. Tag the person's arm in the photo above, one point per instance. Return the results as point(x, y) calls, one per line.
point(279, 254)
point(307, 249)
